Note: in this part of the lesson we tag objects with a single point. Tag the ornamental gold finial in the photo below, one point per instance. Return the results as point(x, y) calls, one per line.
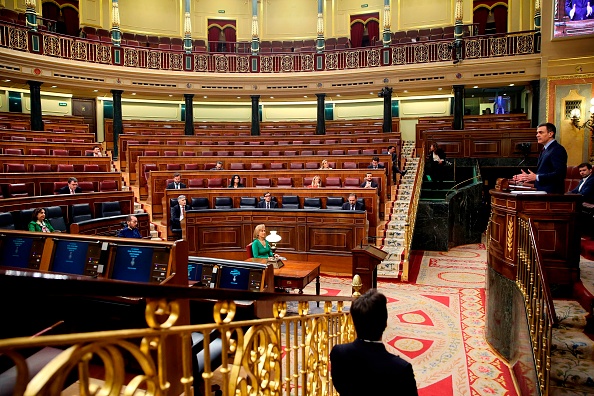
point(357, 285)
point(459, 11)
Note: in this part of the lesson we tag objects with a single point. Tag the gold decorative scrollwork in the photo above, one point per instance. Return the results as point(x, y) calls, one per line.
point(444, 52)
point(279, 309)
point(224, 312)
point(79, 50)
point(221, 64)
point(201, 63)
point(473, 49)
point(332, 61)
point(317, 354)
point(266, 64)
point(421, 53)
point(286, 63)
point(352, 59)
point(153, 60)
point(258, 358)
point(373, 57)
point(18, 39)
point(103, 53)
point(498, 46)
point(243, 64)
point(130, 57)
point(525, 44)
point(176, 61)
point(51, 46)
point(398, 56)
point(307, 62)
point(303, 308)
point(510, 235)
point(50, 380)
point(161, 314)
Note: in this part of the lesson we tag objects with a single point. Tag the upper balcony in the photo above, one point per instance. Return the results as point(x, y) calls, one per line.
point(415, 64)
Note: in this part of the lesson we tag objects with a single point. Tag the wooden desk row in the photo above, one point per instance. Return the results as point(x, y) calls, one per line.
point(476, 128)
point(137, 174)
point(482, 144)
point(7, 134)
point(367, 194)
point(257, 143)
point(158, 181)
point(472, 118)
point(42, 183)
point(109, 226)
point(308, 235)
point(74, 149)
point(53, 160)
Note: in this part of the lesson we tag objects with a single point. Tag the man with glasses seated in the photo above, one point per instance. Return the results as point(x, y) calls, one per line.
point(267, 203)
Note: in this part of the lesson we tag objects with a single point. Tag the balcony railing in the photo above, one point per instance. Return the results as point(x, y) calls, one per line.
point(19, 38)
point(273, 356)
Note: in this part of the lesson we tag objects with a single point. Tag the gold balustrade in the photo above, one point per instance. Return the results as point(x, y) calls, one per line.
point(412, 216)
point(538, 302)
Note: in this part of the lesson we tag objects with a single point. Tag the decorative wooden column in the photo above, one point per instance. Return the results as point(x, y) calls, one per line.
point(35, 93)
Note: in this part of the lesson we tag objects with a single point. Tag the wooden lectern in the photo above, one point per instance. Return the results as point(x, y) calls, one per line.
point(365, 261)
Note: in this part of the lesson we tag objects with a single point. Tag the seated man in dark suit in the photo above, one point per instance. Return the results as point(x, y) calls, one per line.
point(369, 182)
point(176, 184)
point(365, 367)
point(178, 212)
point(552, 163)
point(71, 188)
point(268, 203)
point(131, 229)
point(218, 166)
point(96, 152)
point(375, 164)
point(586, 186)
point(353, 204)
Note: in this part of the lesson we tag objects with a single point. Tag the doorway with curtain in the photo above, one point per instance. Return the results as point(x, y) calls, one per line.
point(61, 16)
point(365, 30)
point(222, 35)
point(490, 16)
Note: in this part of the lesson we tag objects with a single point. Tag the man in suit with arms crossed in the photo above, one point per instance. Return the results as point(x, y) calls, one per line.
point(365, 367)
point(586, 186)
point(552, 163)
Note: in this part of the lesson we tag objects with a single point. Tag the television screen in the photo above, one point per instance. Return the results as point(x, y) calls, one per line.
point(132, 263)
point(194, 272)
point(21, 252)
point(76, 257)
point(234, 278)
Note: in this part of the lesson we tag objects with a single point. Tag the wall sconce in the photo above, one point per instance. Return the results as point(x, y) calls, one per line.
point(575, 118)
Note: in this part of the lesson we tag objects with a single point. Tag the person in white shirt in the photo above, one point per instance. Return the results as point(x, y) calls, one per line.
point(586, 186)
point(178, 213)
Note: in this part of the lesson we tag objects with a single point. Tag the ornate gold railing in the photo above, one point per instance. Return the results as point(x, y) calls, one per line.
point(281, 355)
point(412, 216)
point(540, 310)
point(20, 38)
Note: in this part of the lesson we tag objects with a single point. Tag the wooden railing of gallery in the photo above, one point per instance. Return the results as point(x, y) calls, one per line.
point(265, 356)
point(412, 216)
point(538, 301)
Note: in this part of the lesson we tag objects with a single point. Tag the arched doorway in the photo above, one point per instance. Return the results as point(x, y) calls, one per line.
point(364, 29)
point(222, 35)
point(64, 14)
point(490, 16)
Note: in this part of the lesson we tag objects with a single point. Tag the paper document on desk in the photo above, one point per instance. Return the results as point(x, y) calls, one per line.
point(531, 192)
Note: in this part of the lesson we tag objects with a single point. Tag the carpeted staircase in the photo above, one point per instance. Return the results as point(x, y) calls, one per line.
point(396, 215)
point(572, 350)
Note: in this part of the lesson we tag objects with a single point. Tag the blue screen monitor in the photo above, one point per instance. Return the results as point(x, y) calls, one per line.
point(21, 252)
point(234, 278)
point(76, 257)
point(132, 263)
point(194, 272)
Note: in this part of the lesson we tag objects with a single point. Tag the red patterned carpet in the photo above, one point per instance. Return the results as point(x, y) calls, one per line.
point(438, 324)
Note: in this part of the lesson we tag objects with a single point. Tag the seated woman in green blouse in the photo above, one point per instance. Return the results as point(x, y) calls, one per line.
point(38, 223)
point(260, 246)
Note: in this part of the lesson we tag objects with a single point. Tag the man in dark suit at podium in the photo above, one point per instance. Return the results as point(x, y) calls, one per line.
point(365, 367)
point(552, 163)
point(586, 186)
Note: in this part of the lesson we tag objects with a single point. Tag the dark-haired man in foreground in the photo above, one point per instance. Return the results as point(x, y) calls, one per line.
point(365, 367)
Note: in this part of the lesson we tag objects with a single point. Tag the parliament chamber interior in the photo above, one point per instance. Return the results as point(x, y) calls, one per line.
point(371, 140)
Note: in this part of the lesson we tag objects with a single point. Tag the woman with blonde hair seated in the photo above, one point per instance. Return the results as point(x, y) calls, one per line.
point(316, 182)
point(260, 246)
point(325, 164)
